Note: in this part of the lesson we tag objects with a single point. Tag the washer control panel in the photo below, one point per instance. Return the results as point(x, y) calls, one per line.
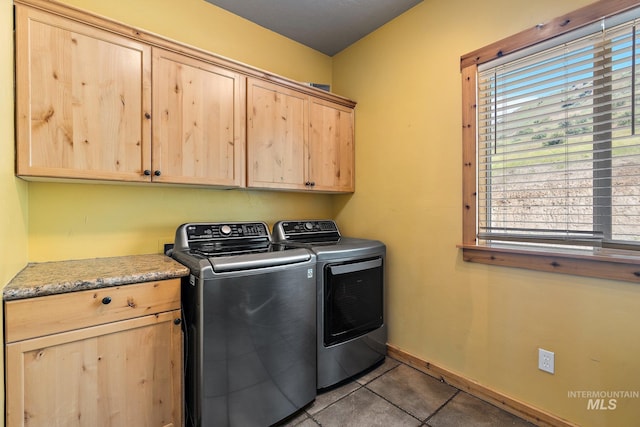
point(212, 231)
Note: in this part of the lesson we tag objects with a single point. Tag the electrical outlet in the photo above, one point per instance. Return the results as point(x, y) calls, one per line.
point(546, 360)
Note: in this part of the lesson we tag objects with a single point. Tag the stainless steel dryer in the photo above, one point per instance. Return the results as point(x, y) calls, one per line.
point(352, 333)
point(250, 320)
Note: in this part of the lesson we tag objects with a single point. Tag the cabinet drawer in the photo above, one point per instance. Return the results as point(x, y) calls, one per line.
point(34, 317)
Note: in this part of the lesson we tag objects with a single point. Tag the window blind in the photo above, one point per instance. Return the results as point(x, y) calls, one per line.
point(558, 143)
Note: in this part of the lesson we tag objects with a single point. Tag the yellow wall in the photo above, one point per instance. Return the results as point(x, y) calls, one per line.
point(13, 192)
point(482, 322)
point(485, 323)
point(83, 221)
point(69, 221)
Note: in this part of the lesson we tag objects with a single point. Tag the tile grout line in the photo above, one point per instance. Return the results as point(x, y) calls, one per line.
point(390, 402)
point(422, 422)
point(381, 375)
point(360, 386)
point(457, 391)
point(312, 416)
point(393, 404)
point(441, 407)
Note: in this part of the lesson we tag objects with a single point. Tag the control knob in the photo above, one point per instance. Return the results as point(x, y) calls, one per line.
point(308, 226)
point(225, 230)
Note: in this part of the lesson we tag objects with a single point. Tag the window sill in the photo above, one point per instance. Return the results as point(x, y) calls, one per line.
point(601, 263)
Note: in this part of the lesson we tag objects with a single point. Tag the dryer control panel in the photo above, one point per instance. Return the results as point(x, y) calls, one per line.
point(306, 230)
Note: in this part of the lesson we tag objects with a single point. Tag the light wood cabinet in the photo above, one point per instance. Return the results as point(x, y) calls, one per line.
point(85, 108)
point(98, 100)
point(331, 146)
point(296, 141)
point(96, 358)
point(199, 121)
point(83, 100)
point(277, 136)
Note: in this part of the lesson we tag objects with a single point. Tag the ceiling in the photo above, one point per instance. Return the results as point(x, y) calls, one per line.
point(328, 26)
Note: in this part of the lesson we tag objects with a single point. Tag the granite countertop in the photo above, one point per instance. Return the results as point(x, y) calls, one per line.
point(47, 278)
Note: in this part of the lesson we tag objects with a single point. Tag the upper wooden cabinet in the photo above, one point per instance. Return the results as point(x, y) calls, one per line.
point(296, 141)
point(198, 123)
point(98, 100)
point(83, 100)
point(331, 146)
point(85, 108)
point(277, 136)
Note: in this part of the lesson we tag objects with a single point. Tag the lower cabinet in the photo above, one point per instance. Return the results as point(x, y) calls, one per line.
point(120, 373)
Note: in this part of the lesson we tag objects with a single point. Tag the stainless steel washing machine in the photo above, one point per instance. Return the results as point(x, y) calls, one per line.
point(250, 321)
point(352, 333)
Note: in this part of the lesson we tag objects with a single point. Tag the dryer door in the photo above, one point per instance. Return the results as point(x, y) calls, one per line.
point(353, 298)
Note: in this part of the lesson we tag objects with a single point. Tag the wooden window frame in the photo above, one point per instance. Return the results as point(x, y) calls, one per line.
point(601, 263)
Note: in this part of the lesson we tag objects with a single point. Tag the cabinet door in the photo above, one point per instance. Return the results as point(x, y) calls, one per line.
point(83, 100)
point(199, 122)
point(277, 135)
point(125, 373)
point(331, 148)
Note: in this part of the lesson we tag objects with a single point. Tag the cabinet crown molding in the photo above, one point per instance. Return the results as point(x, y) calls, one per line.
point(140, 35)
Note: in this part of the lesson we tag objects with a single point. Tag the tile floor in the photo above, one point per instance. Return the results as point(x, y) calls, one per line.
point(395, 394)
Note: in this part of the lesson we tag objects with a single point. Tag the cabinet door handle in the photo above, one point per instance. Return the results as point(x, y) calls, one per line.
point(147, 172)
point(106, 300)
point(147, 115)
point(157, 173)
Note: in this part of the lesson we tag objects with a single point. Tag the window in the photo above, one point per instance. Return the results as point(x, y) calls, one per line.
point(558, 151)
point(552, 149)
